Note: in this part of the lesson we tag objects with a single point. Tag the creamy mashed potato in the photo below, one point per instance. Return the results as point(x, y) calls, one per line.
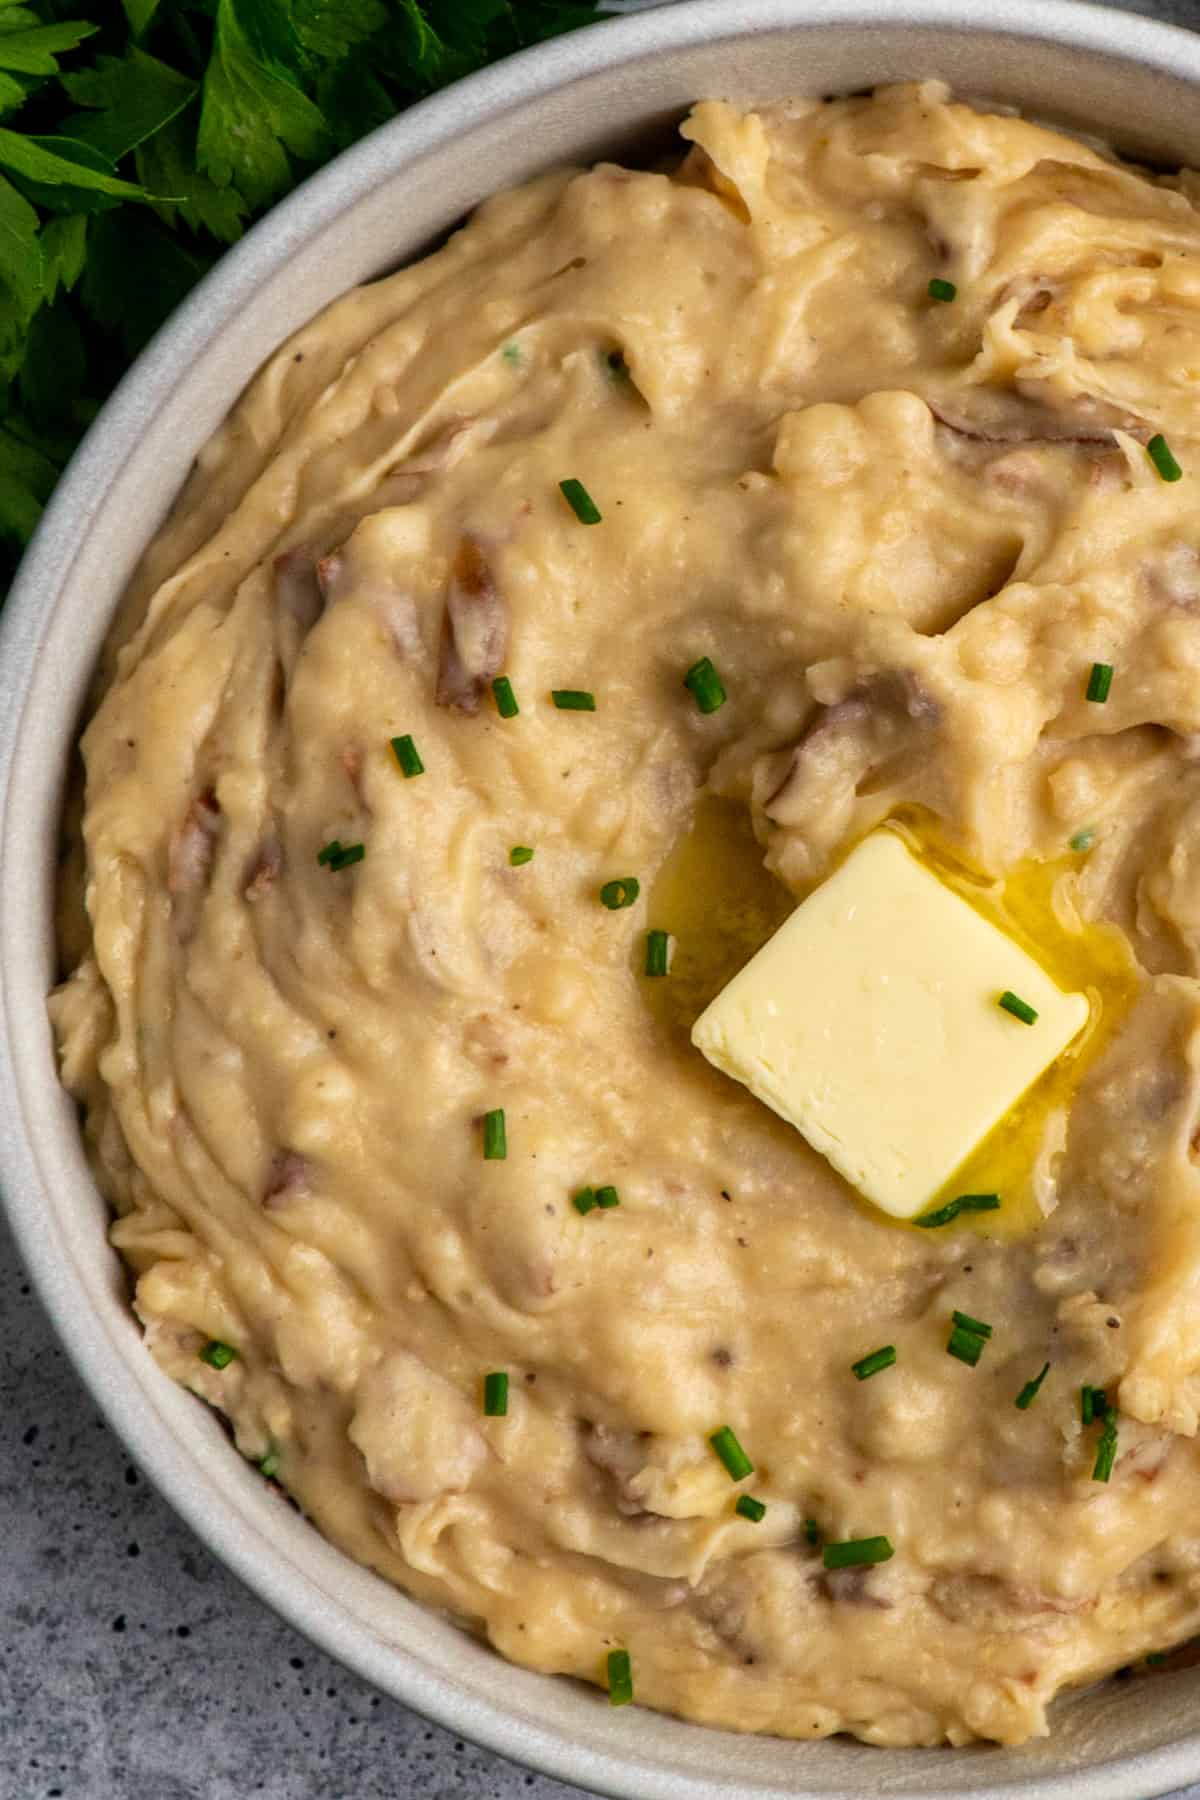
point(903, 528)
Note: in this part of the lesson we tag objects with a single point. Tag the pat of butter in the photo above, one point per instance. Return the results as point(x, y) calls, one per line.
point(870, 1022)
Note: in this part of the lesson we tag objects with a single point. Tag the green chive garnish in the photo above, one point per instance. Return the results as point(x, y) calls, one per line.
point(607, 1196)
point(811, 1533)
point(620, 893)
point(1083, 840)
point(1099, 682)
point(584, 1200)
point(580, 501)
point(495, 1136)
point(614, 364)
point(871, 1365)
point(946, 1215)
point(1093, 1404)
point(967, 1323)
point(942, 290)
point(620, 1678)
point(704, 685)
point(967, 1338)
point(1020, 1009)
point(1155, 1658)
point(506, 700)
point(519, 854)
point(658, 952)
point(750, 1508)
point(269, 1466)
point(495, 1395)
point(216, 1354)
point(512, 355)
point(965, 1346)
point(408, 756)
point(737, 1463)
point(573, 699)
point(1159, 452)
point(1106, 1448)
point(1029, 1392)
point(853, 1551)
point(337, 856)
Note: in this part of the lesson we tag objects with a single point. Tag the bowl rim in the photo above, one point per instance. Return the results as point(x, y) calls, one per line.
point(45, 570)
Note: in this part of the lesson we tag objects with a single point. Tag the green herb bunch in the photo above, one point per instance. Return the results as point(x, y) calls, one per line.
point(139, 142)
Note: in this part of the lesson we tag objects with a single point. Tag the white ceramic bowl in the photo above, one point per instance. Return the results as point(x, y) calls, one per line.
point(603, 91)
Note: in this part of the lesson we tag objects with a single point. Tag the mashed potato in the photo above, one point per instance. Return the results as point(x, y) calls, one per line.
point(903, 523)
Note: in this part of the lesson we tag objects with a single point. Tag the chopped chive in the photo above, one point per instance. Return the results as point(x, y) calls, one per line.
point(216, 1354)
point(573, 699)
point(1156, 1658)
point(967, 1323)
point(853, 1551)
point(506, 700)
point(811, 1533)
point(584, 1200)
point(658, 952)
point(737, 1463)
point(269, 1466)
point(408, 757)
point(337, 855)
point(607, 1197)
point(346, 856)
point(1020, 1009)
point(512, 355)
point(1159, 452)
point(965, 1346)
point(495, 1395)
point(1093, 1404)
point(495, 1136)
point(1106, 1448)
point(942, 290)
point(614, 365)
point(967, 1338)
point(1029, 1392)
point(1083, 840)
point(871, 1365)
point(622, 892)
point(704, 685)
point(946, 1215)
point(1099, 682)
point(519, 854)
point(620, 1678)
point(750, 1508)
point(580, 501)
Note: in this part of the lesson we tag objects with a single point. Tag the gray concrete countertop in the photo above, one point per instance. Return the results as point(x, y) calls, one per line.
point(132, 1664)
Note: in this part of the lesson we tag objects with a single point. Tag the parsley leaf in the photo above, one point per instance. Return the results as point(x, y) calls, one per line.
point(252, 115)
point(36, 51)
point(47, 163)
point(166, 165)
point(27, 477)
point(64, 247)
point(134, 96)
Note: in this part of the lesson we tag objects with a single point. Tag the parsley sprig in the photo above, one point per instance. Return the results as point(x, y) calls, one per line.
point(133, 149)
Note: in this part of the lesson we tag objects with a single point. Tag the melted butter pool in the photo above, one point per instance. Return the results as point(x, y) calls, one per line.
point(721, 905)
point(1035, 905)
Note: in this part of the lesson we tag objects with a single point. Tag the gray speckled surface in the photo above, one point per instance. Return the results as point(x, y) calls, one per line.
point(133, 1664)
